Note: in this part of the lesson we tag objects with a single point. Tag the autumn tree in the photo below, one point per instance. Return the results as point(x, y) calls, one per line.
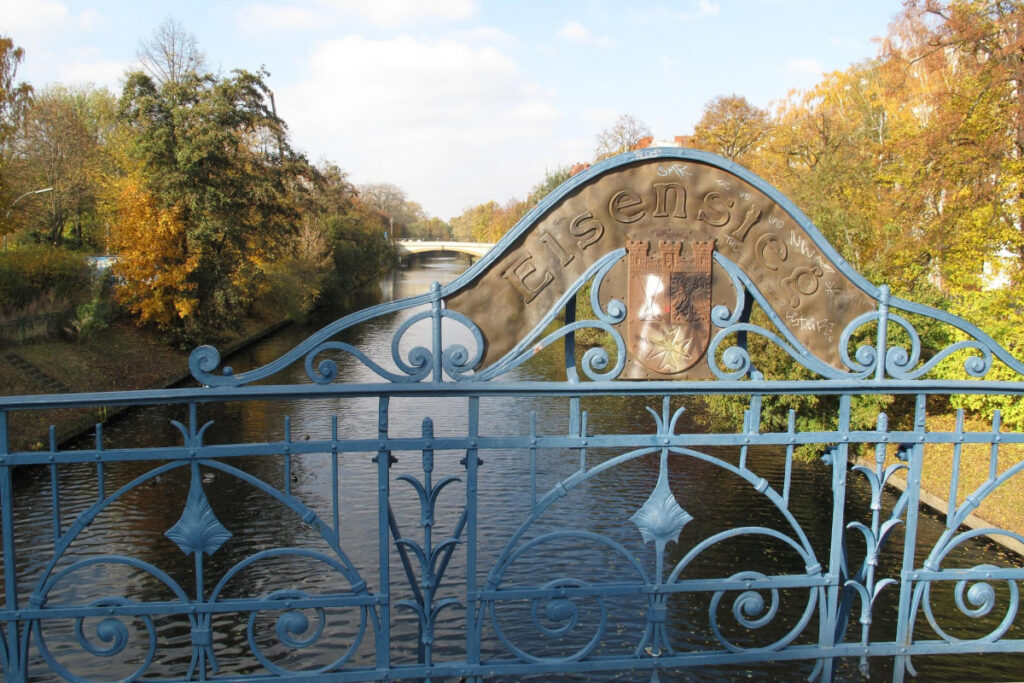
point(205, 153)
point(732, 127)
point(59, 146)
point(962, 69)
point(14, 97)
point(622, 136)
point(14, 102)
point(406, 217)
point(355, 233)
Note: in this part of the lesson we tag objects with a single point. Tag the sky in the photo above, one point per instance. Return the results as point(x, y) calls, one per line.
point(460, 102)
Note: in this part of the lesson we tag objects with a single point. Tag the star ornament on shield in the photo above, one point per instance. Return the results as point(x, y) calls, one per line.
point(669, 304)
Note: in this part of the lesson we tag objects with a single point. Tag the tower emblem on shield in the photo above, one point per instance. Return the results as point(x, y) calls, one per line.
point(669, 304)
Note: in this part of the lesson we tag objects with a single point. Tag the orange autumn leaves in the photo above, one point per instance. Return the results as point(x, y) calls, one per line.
point(154, 265)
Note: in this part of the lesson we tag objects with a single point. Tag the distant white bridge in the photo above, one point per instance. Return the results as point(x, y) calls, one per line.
point(407, 248)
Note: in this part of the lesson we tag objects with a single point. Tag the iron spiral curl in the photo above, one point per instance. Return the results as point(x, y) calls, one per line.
point(975, 599)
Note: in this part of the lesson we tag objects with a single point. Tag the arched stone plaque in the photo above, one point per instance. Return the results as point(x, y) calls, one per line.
point(671, 210)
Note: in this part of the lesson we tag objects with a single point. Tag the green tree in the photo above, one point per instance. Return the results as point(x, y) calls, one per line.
point(356, 250)
point(214, 158)
point(552, 179)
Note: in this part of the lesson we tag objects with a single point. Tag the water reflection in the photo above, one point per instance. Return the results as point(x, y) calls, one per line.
point(716, 499)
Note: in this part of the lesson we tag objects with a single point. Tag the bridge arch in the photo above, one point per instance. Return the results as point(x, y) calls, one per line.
point(409, 248)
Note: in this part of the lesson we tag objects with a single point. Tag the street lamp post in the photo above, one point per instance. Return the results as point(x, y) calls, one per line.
point(11, 207)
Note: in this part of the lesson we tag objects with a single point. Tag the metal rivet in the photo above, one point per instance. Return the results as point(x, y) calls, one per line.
point(191, 454)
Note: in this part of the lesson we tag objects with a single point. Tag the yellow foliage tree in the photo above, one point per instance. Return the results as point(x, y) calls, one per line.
point(154, 265)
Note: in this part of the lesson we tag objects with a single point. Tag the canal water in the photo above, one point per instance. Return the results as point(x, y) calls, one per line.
point(717, 500)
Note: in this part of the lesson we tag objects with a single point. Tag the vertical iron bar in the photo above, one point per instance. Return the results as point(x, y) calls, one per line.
point(840, 458)
point(100, 479)
point(435, 325)
point(383, 535)
point(954, 479)
point(569, 342)
point(883, 330)
point(906, 619)
point(583, 449)
point(752, 422)
point(423, 648)
point(335, 514)
point(791, 430)
point(15, 667)
point(533, 461)
point(746, 439)
point(472, 635)
point(574, 416)
point(993, 458)
point(54, 485)
point(287, 455)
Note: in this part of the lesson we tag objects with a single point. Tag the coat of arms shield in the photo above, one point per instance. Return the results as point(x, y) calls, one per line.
point(669, 305)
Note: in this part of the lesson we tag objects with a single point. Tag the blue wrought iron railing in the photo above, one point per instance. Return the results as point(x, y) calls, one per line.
point(527, 556)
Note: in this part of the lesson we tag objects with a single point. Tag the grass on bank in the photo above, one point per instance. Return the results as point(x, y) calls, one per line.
point(120, 357)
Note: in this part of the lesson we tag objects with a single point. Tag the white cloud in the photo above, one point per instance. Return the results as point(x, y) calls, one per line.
point(89, 19)
point(575, 32)
point(600, 118)
point(264, 18)
point(485, 35)
point(436, 117)
point(397, 12)
point(706, 9)
point(87, 65)
point(267, 17)
point(805, 66)
point(41, 16)
point(697, 10)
